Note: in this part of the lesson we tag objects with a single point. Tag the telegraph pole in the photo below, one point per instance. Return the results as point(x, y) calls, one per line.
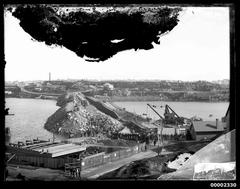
point(159, 134)
point(53, 138)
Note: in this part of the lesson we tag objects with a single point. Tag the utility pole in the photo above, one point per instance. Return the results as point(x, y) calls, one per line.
point(160, 128)
point(80, 167)
point(53, 138)
point(159, 134)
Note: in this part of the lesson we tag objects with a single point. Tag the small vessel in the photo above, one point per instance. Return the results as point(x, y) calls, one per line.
point(195, 118)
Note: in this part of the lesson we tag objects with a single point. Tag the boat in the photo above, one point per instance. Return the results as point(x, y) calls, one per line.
point(195, 118)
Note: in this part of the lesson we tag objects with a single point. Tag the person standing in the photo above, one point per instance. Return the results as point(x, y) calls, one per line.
point(154, 142)
point(77, 173)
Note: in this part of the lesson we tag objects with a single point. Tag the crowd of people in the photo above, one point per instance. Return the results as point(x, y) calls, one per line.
point(149, 138)
point(75, 173)
point(137, 137)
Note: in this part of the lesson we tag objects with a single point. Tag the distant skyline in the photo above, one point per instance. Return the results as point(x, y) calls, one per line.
point(196, 49)
point(114, 80)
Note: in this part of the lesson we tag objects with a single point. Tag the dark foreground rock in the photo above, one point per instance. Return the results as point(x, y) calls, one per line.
point(92, 34)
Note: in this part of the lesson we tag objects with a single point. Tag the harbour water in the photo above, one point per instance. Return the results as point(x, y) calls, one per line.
point(31, 114)
point(208, 111)
point(29, 118)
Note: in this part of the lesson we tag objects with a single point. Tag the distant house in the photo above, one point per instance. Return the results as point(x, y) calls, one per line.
point(8, 92)
point(31, 85)
point(38, 84)
point(12, 90)
point(38, 89)
point(108, 86)
point(49, 84)
point(55, 87)
point(92, 87)
point(78, 85)
point(126, 92)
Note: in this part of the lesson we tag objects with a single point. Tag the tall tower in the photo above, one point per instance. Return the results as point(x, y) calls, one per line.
point(49, 76)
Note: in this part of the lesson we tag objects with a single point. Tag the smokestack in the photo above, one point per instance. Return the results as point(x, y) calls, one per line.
point(49, 76)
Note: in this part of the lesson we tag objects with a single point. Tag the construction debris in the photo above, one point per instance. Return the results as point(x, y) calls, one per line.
point(179, 161)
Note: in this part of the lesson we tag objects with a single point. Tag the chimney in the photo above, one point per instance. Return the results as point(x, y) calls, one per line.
point(49, 76)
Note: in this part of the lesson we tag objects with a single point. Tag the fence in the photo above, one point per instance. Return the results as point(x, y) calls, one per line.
point(102, 158)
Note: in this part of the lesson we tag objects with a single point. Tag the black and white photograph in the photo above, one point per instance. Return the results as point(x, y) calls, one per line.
point(112, 92)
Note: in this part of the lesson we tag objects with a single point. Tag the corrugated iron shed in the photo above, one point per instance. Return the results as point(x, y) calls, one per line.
point(208, 126)
point(60, 149)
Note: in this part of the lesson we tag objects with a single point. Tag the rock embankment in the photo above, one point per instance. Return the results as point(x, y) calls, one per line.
point(76, 117)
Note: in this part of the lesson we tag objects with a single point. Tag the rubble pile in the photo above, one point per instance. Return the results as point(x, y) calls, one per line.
point(179, 161)
point(76, 118)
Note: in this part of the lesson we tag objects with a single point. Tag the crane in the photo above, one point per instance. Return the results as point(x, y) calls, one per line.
point(160, 128)
point(155, 111)
point(172, 118)
point(168, 107)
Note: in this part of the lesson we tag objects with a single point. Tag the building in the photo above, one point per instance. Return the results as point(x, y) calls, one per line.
point(108, 86)
point(59, 149)
point(208, 129)
point(226, 119)
point(50, 86)
point(46, 154)
point(126, 92)
point(12, 90)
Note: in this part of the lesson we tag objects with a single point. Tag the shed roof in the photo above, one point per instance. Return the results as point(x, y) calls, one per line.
point(208, 126)
point(61, 149)
point(125, 131)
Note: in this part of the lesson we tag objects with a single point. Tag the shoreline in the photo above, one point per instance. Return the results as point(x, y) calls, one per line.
point(152, 100)
point(159, 98)
point(131, 100)
point(148, 98)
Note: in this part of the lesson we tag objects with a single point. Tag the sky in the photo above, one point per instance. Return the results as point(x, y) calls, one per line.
point(196, 49)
